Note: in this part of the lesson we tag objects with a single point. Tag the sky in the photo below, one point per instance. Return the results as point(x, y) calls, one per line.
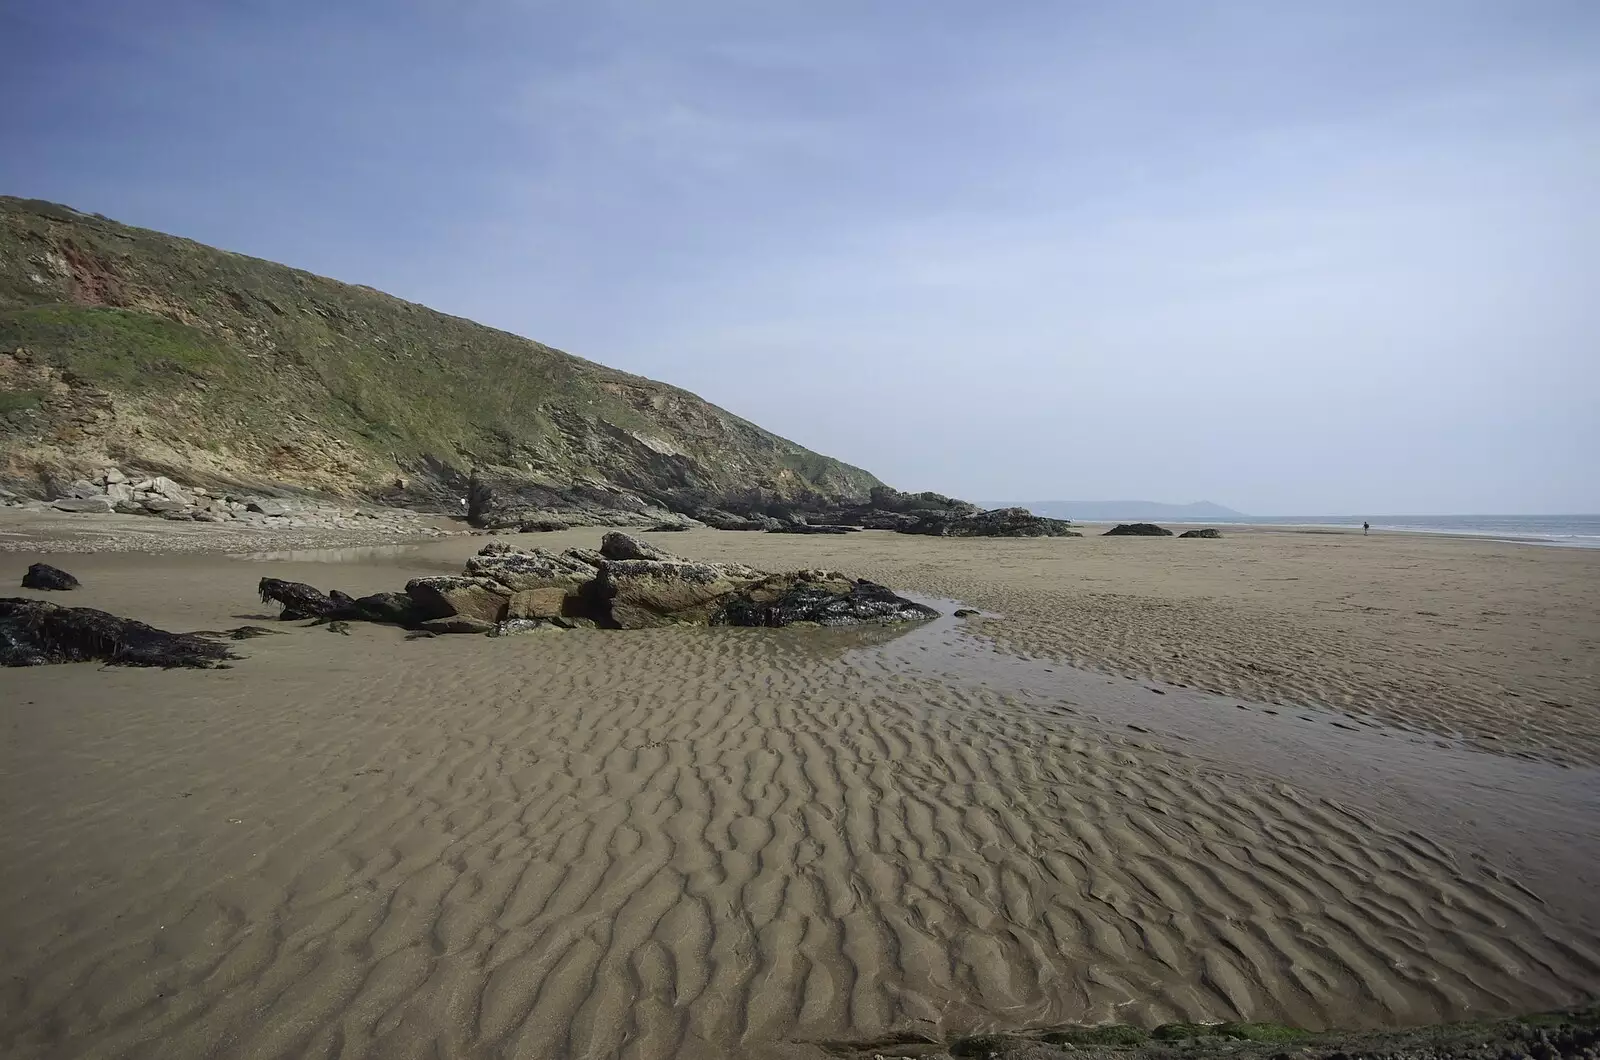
point(1295, 258)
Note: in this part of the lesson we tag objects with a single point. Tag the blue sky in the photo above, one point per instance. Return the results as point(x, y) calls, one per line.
point(1292, 257)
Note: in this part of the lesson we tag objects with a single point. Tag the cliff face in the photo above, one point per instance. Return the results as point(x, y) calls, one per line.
point(124, 346)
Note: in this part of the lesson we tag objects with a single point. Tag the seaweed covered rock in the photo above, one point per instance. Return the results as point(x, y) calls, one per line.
point(623, 547)
point(822, 598)
point(44, 576)
point(643, 593)
point(997, 522)
point(1208, 532)
point(36, 632)
point(393, 608)
point(1137, 530)
point(518, 569)
point(298, 599)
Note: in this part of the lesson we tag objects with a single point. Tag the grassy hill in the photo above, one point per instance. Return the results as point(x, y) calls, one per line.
point(123, 345)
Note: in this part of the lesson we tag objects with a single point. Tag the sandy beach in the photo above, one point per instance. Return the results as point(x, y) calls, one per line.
point(1312, 778)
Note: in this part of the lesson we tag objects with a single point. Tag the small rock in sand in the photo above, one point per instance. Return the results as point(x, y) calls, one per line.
point(44, 576)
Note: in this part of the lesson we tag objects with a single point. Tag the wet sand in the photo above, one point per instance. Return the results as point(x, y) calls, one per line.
point(746, 843)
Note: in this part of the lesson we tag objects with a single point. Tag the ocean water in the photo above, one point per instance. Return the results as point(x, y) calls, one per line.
point(1571, 531)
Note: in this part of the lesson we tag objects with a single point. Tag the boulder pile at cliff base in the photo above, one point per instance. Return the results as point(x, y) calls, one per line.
point(627, 584)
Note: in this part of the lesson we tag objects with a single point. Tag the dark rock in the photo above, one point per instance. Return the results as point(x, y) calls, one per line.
point(666, 528)
point(36, 632)
point(480, 599)
point(268, 507)
point(818, 597)
point(966, 612)
point(339, 626)
point(44, 576)
point(880, 520)
point(889, 509)
point(456, 624)
point(1206, 533)
point(543, 525)
point(1137, 530)
point(299, 600)
point(811, 528)
point(394, 608)
point(998, 522)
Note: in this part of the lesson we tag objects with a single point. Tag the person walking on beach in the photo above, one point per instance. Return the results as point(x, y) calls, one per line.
point(1365, 528)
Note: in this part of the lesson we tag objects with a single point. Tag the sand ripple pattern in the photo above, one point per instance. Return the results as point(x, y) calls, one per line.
point(680, 844)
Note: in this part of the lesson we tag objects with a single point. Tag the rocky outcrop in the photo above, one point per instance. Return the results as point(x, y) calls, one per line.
point(890, 509)
point(814, 597)
point(36, 632)
point(1208, 532)
point(1137, 530)
point(718, 519)
point(113, 491)
point(532, 569)
point(627, 584)
point(44, 576)
point(508, 500)
point(999, 522)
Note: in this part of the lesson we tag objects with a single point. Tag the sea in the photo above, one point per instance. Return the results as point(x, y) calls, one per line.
point(1569, 531)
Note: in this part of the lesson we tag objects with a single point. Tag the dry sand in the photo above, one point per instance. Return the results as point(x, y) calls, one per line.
point(747, 843)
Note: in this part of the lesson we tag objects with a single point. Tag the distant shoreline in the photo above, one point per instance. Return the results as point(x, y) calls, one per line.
point(1517, 531)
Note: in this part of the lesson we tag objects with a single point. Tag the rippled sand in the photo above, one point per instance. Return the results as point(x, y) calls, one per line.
point(692, 843)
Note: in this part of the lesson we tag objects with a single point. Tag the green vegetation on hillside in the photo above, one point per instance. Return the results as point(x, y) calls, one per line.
point(260, 357)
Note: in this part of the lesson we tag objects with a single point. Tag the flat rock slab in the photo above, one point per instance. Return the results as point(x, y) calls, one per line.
point(99, 504)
